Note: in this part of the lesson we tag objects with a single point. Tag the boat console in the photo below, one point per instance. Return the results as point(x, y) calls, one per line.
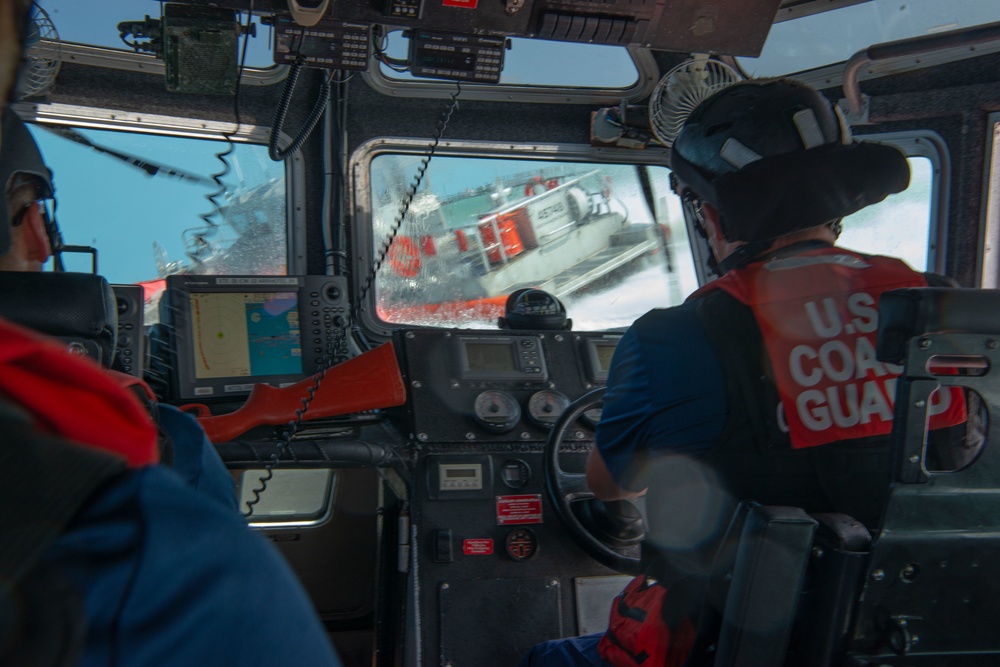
point(487, 549)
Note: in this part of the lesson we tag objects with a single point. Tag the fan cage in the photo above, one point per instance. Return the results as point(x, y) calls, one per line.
point(43, 56)
point(681, 90)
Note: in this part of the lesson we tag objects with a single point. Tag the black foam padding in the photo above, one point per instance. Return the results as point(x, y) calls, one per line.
point(767, 581)
point(915, 311)
point(78, 308)
point(785, 193)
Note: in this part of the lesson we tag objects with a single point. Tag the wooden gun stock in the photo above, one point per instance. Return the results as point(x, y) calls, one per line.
point(368, 381)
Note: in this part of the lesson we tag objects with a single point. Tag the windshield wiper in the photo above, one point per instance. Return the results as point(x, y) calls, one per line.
point(151, 168)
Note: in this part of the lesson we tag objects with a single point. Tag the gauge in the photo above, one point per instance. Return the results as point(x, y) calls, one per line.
point(545, 407)
point(515, 473)
point(536, 302)
point(497, 411)
point(591, 418)
point(521, 544)
point(533, 309)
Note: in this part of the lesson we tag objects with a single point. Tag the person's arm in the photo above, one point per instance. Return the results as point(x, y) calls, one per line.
point(666, 394)
point(195, 458)
point(207, 590)
point(601, 482)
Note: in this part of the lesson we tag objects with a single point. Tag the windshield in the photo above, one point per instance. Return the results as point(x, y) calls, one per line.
point(480, 228)
point(151, 207)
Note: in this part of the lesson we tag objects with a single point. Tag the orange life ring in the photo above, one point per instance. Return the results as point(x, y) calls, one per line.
point(404, 257)
point(535, 186)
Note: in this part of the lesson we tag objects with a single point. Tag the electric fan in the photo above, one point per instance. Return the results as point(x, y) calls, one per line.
point(42, 55)
point(681, 90)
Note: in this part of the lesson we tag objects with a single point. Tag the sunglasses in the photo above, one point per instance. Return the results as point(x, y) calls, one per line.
point(692, 203)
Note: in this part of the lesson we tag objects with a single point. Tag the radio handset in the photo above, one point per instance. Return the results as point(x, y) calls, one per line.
point(307, 16)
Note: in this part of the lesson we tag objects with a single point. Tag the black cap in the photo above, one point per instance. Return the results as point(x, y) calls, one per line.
point(19, 158)
point(774, 156)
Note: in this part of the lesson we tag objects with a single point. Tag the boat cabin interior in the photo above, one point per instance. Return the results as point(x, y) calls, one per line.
point(384, 251)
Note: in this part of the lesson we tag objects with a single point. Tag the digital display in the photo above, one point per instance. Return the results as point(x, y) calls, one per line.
point(460, 476)
point(597, 356)
point(317, 47)
point(465, 62)
point(245, 334)
point(604, 355)
point(490, 356)
point(519, 358)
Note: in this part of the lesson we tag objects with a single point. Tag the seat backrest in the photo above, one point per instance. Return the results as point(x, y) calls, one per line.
point(765, 586)
point(78, 308)
point(933, 581)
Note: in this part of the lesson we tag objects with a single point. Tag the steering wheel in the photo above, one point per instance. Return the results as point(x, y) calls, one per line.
point(610, 532)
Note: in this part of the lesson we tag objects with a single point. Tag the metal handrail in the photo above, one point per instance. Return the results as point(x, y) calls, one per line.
point(913, 46)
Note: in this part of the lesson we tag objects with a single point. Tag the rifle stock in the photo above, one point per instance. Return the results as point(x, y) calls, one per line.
point(368, 381)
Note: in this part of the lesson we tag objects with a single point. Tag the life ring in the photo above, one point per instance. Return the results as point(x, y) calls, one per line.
point(404, 257)
point(535, 186)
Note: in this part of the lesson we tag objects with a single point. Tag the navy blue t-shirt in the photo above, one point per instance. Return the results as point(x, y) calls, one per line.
point(666, 392)
point(195, 460)
point(170, 576)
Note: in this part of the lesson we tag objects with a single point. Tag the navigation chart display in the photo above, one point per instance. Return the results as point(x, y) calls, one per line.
point(245, 334)
point(224, 334)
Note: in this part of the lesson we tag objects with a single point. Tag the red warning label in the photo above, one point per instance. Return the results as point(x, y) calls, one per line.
point(468, 4)
point(514, 510)
point(483, 547)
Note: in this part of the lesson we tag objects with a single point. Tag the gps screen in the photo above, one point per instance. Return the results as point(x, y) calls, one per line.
point(245, 334)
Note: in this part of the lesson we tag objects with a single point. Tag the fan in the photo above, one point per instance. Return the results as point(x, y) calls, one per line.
point(681, 90)
point(42, 55)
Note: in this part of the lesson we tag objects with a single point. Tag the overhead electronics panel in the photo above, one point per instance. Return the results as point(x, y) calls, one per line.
point(732, 27)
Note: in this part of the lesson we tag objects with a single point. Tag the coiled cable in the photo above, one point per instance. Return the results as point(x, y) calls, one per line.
point(279, 155)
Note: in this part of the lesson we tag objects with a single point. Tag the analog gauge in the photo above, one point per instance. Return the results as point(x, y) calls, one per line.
point(591, 418)
point(521, 544)
point(498, 411)
point(545, 407)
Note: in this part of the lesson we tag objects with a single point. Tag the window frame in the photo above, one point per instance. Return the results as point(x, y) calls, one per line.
point(988, 269)
point(120, 59)
point(930, 145)
point(189, 128)
point(297, 522)
point(646, 68)
point(360, 204)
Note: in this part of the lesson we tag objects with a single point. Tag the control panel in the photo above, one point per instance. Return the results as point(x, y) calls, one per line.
point(326, 318)
point(497, 386)
point(674, 25)
point(456, 57)
point(480, 407)
point(329, 44)
point(130, 352)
